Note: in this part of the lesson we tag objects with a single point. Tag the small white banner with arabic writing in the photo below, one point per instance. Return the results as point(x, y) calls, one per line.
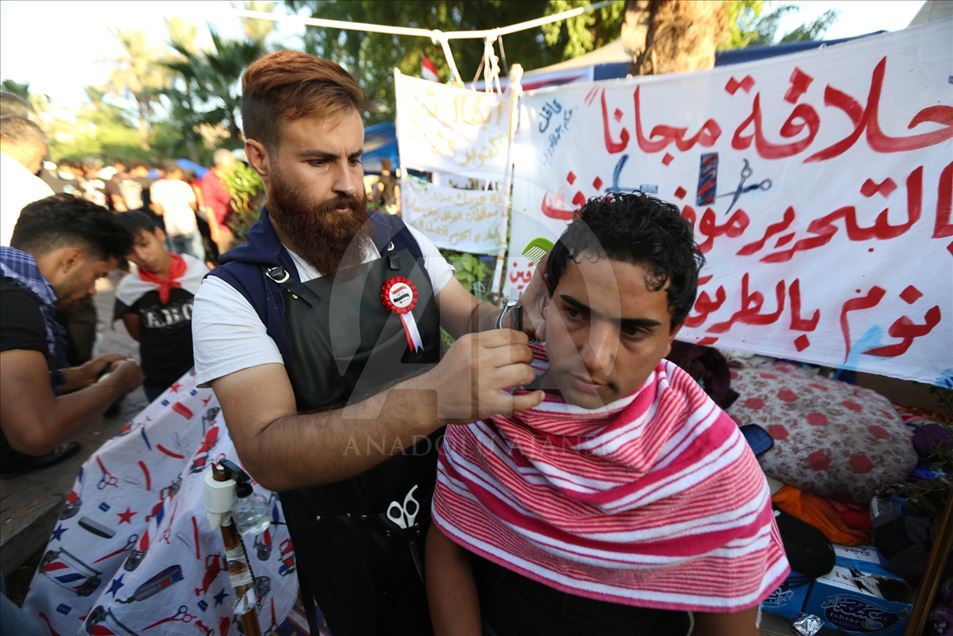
point(448, 129)
point(462, 220)
point(819, 185)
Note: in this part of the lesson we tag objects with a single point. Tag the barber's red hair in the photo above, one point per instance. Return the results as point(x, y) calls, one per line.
point(288, 85)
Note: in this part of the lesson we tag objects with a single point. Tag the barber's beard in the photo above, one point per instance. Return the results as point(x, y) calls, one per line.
point(317, 232)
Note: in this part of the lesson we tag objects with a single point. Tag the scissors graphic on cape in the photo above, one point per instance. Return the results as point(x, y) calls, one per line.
point(403, 516)
point(108, 479)
point(181, 616)
point(746, 173)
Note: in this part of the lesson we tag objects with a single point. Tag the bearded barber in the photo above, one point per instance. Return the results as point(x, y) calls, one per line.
point(321, 339)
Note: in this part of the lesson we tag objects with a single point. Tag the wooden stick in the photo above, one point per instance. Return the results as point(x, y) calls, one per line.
point(238, 571)
point(936, 564)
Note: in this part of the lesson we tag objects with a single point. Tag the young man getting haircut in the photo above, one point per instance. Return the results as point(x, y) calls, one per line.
point(627, 502)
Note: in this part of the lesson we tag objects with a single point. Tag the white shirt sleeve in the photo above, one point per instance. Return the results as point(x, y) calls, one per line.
point(438, 268)
point(227, 334)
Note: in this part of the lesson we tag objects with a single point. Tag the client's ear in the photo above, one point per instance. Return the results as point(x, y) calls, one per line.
point(534, 301)
point(674, 331)
point(671, 337)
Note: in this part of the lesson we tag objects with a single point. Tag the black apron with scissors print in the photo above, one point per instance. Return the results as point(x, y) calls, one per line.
point(359, 542)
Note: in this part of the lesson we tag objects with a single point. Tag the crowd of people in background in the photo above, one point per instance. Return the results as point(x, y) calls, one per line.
point(173, 210)
point(192, 210)
point(187, 201)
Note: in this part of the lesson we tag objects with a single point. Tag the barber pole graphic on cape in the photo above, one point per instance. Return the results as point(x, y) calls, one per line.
point(819, 185)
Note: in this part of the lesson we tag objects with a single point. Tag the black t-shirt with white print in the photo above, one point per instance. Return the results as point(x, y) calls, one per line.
point(165, 329)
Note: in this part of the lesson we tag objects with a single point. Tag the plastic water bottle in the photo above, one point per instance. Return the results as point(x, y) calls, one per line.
point(252, 515)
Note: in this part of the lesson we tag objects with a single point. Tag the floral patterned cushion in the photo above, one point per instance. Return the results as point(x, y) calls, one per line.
point(830, 438)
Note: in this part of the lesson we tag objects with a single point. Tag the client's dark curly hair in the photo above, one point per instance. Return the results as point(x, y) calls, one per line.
point(639, 229)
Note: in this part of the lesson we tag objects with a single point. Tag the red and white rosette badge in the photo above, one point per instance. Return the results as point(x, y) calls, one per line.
point(399, 296)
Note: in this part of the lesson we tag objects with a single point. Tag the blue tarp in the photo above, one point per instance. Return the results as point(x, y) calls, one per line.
point(185, 164)
point(380, 142)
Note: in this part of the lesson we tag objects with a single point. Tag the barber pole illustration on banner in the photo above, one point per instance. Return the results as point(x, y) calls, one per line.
point(399, 296)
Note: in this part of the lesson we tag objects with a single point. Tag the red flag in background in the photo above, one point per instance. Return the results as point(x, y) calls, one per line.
point(428, 70)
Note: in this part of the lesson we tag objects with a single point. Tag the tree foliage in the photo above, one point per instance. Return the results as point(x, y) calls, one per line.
point(137, 74)
point(186, 100)
point(205, 94)
point(215, 76)
point(582, 33)
point(20, 89)
point(751, 26)
point(813, 30)
point(38, 103)
point(247, 191)
point(372, 57)
point(257, 29)
point(101, 129)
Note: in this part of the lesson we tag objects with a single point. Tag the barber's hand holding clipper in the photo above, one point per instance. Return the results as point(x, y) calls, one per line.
point(476, 376)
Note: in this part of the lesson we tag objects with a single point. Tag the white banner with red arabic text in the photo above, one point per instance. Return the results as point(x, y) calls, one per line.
point(819, 185)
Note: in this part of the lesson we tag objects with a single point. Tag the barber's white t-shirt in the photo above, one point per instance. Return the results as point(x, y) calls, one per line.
point(228, 335)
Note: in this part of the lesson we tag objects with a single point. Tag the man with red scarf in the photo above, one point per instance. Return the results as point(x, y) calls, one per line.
point(155, 303)
point(627, 502)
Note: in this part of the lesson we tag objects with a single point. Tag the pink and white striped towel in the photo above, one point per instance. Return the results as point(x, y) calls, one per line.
point(653, 501)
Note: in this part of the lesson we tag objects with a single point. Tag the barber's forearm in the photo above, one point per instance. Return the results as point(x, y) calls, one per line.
point(319, 448)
